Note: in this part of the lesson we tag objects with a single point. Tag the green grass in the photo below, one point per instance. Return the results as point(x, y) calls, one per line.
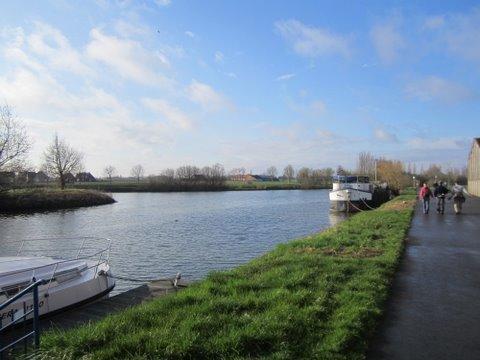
point(47, 198)
point(146, 186)
point(318, 298)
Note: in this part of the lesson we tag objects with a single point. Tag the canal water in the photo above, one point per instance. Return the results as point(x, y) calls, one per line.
point(156, 235)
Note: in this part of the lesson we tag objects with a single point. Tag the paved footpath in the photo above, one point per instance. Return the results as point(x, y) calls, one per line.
point(434, 307)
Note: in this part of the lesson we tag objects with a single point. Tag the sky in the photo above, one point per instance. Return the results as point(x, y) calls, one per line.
point(244, 83)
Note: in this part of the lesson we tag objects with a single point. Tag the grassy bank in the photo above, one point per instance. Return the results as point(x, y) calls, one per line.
point(24, 200)
point(145, 186)
point(317, 297)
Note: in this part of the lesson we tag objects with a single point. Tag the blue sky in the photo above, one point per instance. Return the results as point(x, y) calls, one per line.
point(244, 83)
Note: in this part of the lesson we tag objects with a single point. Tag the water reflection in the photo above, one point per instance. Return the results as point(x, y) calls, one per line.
point(160, 234)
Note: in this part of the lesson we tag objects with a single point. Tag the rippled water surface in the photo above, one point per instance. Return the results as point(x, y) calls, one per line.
point(159, 234)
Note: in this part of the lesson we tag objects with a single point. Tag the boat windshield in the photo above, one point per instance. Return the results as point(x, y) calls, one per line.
point(350, 179)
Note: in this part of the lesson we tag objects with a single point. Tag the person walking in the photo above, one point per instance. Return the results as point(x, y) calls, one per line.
point(458, 195)
point(425, 195)
point(440, 193)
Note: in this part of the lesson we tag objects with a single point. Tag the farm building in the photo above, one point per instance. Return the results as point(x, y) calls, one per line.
point(473, 168)
point(85, 177)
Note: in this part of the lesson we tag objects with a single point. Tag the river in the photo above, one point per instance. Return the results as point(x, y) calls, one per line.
point(156, 235)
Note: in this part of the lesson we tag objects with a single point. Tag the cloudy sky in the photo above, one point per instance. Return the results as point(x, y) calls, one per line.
point(244, 83)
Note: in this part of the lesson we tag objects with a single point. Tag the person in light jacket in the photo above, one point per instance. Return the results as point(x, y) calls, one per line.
point(458, 195)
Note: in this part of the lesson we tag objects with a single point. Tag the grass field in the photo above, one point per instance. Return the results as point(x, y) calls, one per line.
point(145, 186)
point(314, 298)
point(33, 199)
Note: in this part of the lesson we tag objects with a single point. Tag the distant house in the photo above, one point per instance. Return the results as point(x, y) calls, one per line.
point(85, 177)
point(31, 177)
point(69, 178)
point(41, 178)
point(25, 177)
point(264, 178)
point(473, 168)
point(7, 177)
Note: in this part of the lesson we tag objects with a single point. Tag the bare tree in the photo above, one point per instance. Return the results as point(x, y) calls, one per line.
point(366, 164)
point(14, 142)
point(272, 171)
point(61, 159)
point(289, 172)
point(137, 172)
point(110, 171)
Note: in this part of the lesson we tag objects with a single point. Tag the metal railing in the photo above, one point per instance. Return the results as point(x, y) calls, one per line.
point(35, 333)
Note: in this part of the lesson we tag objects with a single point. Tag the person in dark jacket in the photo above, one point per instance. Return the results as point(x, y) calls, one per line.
point(440, 193)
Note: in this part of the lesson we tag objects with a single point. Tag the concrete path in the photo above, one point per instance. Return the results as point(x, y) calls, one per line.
point(434, 308)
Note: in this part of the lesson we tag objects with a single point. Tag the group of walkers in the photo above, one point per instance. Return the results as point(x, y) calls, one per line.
point(441, 192)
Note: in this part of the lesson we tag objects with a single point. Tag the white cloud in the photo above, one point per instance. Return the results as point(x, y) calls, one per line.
point(387, 40)
point(190, 34)
point(128, 58)
point(318, 108)
point(129, 30)
point(163, 2)
point(439, 89)
point(50, 44)
point(174, 115)
point(207, 97)
point(384, 136)
point(434, 22)
point(285, 77)
point(444, 143)
point(219, 57)
point(231, 75)
point(312, 42)
point(462, 35)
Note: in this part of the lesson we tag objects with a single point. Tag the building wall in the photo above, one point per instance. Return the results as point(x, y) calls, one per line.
point(474, 169)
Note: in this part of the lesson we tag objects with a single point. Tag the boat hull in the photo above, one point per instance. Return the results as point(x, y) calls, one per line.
point(55, 297)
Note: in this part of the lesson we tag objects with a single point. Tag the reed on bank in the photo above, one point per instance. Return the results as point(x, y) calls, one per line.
point(317, 297)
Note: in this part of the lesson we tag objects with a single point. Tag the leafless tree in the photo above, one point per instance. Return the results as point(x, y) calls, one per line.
point(272, 171)
point(289, 172)
point(366, 164)
point(61, 159)
point(110, 171)
point(14, 142)
point(137, 172)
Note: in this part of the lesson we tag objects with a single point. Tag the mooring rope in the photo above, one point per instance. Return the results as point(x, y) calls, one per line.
point(371, 208)
point(355, 206)
point(172, 280)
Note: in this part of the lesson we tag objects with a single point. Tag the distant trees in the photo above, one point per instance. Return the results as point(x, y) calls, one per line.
point(60, 159)
point(366, 164)
point(137, 172)
point(393, 173)
point(237, 173)
point(14, 141)
point(272, 171)
point(315, 177)
point(289, 172)
point(110, 171)
point(190, 177)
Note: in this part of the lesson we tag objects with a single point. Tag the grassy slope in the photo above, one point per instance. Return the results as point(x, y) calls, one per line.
point(317, 297)
point(50, 199)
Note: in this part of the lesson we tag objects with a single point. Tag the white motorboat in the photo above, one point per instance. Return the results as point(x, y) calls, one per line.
point(69, 282)
point(351, 193)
